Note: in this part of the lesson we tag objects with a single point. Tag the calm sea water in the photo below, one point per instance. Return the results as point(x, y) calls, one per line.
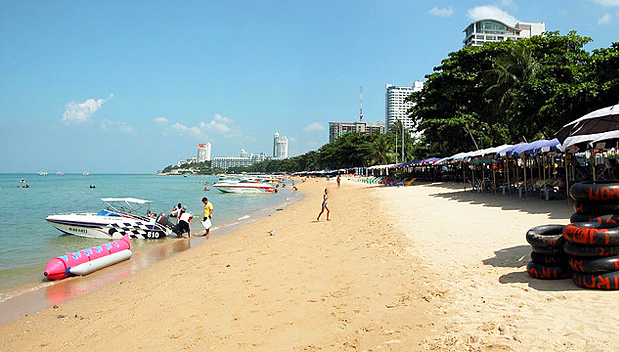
point(28, 242)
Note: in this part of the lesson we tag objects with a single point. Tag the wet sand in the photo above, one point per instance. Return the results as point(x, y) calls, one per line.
point(426, 267)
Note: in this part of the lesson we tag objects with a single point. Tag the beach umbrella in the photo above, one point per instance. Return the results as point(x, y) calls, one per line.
point(589, 127)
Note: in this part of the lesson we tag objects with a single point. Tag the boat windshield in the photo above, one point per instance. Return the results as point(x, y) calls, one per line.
point(127, 205)
point(107, 212)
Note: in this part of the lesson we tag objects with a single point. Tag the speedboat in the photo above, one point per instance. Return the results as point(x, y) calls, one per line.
point(118, 217)
point(244, 186)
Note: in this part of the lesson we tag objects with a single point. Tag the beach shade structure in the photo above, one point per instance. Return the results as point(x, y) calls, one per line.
point(594, 125)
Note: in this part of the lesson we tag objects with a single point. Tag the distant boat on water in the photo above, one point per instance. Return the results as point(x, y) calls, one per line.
point(60, 173)
point(86, 173)
point(42, 173)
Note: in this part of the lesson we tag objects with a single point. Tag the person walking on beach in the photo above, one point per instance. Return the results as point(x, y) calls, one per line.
point(338, 181)
point(325, 197)
point(206, 220)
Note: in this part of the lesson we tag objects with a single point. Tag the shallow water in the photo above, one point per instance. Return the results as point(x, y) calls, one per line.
point(29, 242)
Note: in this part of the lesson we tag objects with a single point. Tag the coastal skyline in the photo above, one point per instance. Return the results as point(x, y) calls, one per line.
point(132, 87)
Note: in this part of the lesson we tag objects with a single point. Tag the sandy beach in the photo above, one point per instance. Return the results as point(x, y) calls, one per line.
point(426, 267)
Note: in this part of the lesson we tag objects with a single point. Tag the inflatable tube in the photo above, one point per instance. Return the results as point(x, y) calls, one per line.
point(547, 251)
point(549, 236)
point(598, 265)
point(595, 191)
point(578, 250)
point(592, 233)
point(576, 217)
point(596, 208)
point(59, 267)
point(608, 219)
point(100, 263)
point(549, 259)
point(600, 281)
point(546, 272)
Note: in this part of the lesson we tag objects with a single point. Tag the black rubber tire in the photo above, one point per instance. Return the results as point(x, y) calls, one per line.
point(596, 208)
point(597, 265)
point(599, 281)
point(577, 217)
point(592, 233)
point(595, 191)
point(550, 259)
point(608, 219)
point(547, 251)
point(577, 250)
point(548, 236)
point(547, 272)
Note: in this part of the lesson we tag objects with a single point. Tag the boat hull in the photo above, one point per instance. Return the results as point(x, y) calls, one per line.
point(244, 188)
point(93, 226)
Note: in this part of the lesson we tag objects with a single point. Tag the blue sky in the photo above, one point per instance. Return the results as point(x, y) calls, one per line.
point(133, 86)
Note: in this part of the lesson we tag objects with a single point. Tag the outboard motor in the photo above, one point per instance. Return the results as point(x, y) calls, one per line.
point(164, 220)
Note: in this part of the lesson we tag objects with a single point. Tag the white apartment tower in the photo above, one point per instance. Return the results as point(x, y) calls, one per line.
point(204, 152)
point(395, 106)
point(480, 32)
point(280, 146)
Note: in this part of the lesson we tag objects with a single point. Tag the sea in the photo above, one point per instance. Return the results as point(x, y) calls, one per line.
point(28, 241)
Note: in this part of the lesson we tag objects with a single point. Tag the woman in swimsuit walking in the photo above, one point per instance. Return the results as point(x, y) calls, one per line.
point(325, 197)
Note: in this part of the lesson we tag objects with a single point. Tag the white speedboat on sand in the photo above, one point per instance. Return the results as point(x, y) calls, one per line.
point(118, 217)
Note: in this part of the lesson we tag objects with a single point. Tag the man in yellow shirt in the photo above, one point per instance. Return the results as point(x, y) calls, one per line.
point(206, 220)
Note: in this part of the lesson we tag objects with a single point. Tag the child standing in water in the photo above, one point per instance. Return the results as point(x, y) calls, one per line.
point(325, 197)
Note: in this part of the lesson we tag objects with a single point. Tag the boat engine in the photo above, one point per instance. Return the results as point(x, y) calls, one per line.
point(164, 220)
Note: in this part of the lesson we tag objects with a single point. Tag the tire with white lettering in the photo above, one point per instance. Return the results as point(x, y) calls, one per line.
point(596, 207)
point(579, 250)
point(597, 265)
point(549, 259)
point(548, 272)
point(595, 191)
point(549, 236)
point(592, 233)
point(598, 281)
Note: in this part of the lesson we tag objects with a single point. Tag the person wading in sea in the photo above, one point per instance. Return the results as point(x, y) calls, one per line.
point(206, 220)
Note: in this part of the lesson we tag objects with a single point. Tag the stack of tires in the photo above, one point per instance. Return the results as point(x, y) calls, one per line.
point(593, 236)
point(548, 260)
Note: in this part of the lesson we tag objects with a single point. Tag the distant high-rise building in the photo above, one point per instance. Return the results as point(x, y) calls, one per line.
point(396, 108)
point(480, 32)
point(337, 129)
point(280, 146)
point(204, 152)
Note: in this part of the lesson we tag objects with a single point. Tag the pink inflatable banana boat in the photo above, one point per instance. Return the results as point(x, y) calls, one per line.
point(89, 259)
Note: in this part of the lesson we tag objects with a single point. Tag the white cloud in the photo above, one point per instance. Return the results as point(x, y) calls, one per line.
point(192, 131)
point(508, 3)
point(221, 125)
point(607, 3)
point(79, 113)
point(607, 18)
point(314, 127)
point(118, 126)
point(446, 12)
point(491, 12)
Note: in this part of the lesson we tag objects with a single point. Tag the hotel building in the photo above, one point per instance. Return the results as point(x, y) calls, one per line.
point(204, 152)
point(480, 32)
point(337, 129)
point(280, 146)
point(246, 159)
point(396, 108)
